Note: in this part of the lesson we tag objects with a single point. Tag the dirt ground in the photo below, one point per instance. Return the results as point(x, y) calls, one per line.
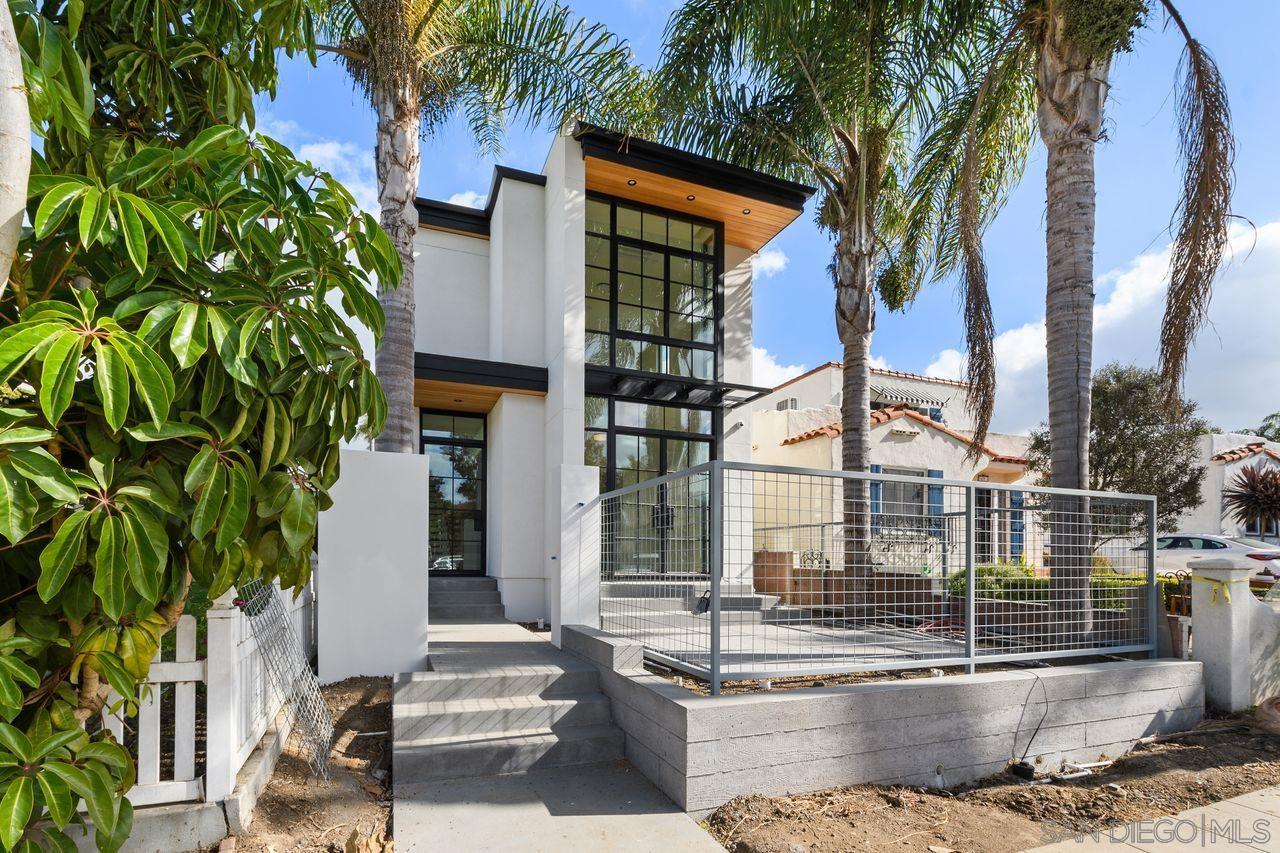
point(299, 812)
point(1001, 813)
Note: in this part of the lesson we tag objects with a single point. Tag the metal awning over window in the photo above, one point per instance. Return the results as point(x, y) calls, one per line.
point(897, 394)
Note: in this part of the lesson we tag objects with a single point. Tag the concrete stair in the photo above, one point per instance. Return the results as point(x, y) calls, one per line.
point(465, 598)
point(486, 716)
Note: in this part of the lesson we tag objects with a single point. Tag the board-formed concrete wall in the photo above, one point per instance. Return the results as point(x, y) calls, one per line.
point(703, 751)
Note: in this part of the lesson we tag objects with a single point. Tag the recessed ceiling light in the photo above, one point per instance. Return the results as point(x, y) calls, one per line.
point(688, 198)
point(746, 211)
point(631, 182)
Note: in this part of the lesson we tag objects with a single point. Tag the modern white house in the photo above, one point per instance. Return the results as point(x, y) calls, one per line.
point(588, 329)
point(1224, 455)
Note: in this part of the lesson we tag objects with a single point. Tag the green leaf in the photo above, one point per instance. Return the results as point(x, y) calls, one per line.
point(209, 503)
point(55, 205)
point(190, 335)
point(17, 506)
point(96, 794)
point(56, 740)
point(298, 520)
point(15, 810)
point(58, 379)
point(142, 559)
point(213, 137)
point(172, 429)
point(93, 215)
point(108, 581)
point(111, 381)
point(199, 470)
point(235, 510)
point(135, 239)
point(47, 473)
point(57, 797)
point(19, 671)
point(59, 557)
point(152, 380)
point(19, 343)
point(15, 741)
point(14, 436)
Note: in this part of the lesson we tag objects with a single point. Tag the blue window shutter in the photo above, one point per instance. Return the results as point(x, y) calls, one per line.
point(1016, 525)
point(877, 489)
point(936, 525)
point(935, 415)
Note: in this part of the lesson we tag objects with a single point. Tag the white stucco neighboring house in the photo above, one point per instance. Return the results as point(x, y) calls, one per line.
point(1224, 455)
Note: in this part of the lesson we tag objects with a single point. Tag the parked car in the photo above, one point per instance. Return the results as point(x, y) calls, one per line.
point(1174, 551)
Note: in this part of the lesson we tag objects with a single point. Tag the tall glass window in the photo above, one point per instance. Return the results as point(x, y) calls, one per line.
point(632, 441)
point(650, 291)
point(456, 445)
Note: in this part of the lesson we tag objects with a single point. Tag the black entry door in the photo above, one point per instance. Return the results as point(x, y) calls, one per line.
point(456, 444)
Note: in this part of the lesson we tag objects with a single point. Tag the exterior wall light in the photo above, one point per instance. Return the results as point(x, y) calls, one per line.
point(746, 211)
point(688, 198)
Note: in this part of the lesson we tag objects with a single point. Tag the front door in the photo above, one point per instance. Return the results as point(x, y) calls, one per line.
point(456, 444)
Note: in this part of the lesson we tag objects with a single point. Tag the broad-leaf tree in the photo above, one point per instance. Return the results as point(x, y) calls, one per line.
point(1134, 445)
point(422, 62)
point(1269, 428)
point(859, 98)
point(177, 371)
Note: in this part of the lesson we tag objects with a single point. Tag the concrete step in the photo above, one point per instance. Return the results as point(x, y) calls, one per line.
point(444, 583)
point(419, 721)
point(451, 598)
point(464, 611)
point(669, 589)
point(541, 680)
point(466, 755)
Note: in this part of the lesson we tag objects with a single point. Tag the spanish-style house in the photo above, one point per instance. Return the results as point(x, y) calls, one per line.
point(1223, 455)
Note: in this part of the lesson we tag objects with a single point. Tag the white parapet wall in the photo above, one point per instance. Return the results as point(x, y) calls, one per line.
point(371, 580)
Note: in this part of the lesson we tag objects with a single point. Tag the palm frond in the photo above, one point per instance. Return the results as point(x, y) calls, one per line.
point(1207, 149)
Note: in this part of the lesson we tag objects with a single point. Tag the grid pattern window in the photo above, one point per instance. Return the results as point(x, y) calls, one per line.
point(632, 441)
point(455, 444)
point(650, 280)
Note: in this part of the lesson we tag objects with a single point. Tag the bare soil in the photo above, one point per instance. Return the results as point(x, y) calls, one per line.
point(798, 682)
point(1003, 814)
point(299, 812)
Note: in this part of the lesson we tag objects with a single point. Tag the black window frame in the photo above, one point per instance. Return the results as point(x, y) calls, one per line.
point(612, 429)
point(716, 346)
point(482, 444)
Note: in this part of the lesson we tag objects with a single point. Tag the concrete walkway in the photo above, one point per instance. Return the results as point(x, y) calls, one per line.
point(602, 806)
point(1248, 823)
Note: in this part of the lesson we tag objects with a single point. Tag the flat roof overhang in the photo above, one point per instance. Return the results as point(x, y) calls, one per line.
point(471, 384)
point(753, 206)
point(622, 382)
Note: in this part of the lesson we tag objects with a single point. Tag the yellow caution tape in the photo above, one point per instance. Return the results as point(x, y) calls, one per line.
point(1219, 585)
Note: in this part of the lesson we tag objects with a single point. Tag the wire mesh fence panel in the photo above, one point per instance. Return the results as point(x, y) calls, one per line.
point(731, 570)
point(289, 670)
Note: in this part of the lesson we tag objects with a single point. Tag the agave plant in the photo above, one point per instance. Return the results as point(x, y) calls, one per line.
point(1254, 495)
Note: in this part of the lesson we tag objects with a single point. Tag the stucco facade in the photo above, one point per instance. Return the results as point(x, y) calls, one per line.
point(1224, 455)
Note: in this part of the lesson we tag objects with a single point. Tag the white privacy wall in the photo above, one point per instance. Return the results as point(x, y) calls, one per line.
point(451, 289)
point(371, 580)
point(516, 470)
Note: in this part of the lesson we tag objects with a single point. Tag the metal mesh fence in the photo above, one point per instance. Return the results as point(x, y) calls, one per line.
point(730, 570)
point(289, 671)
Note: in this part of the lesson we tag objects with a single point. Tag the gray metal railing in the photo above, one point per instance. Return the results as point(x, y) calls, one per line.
point(733, 571)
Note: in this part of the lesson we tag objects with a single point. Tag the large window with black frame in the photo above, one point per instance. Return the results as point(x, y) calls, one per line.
point(661, 530)
point(651, 290)
point(455, 537)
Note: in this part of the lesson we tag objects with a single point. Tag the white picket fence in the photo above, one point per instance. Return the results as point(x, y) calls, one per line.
point(240, 704)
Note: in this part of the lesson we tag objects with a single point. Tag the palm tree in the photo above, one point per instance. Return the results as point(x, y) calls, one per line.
point(15, 146)
point(420, 62)
point(841, 95)
point(1066, 47)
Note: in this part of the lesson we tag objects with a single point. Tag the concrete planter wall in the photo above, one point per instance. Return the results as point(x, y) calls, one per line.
point(703, 751)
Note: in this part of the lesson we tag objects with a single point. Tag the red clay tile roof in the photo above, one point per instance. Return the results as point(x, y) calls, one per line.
point(1253, 448)
point(883, 371)
point(901, 410)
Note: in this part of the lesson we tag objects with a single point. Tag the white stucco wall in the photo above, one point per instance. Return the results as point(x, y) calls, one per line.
point(517, 261)
point(451, 283)
point(1209, 516)
point(371, 579)
point(737, 315)
point(516, 471)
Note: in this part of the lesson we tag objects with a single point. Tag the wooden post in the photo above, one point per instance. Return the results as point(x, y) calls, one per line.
point(220, 700)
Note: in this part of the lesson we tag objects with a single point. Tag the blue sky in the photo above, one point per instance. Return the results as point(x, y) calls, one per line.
point(1236, 366)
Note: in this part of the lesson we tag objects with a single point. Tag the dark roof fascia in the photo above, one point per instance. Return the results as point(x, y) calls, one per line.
point(686, 166)
point(471, 220)
point(474, 371)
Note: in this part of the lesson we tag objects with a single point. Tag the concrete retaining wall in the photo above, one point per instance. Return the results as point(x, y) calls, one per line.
point(703, 751)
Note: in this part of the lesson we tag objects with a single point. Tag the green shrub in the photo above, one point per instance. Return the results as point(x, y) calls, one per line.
point(1013, 583)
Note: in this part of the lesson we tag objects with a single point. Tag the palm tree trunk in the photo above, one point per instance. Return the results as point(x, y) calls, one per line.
point(1072, 88)
point(398, 160)
point(15, 146)
point(855, 322)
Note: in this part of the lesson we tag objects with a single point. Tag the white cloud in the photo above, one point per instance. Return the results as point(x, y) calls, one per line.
point(351, 164)
point(769, 263)
point(1231, 362)
point(879, 362)
point(767, 372)
point(470, 198)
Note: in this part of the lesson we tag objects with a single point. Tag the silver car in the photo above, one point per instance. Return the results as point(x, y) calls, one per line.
point(1175, 550)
